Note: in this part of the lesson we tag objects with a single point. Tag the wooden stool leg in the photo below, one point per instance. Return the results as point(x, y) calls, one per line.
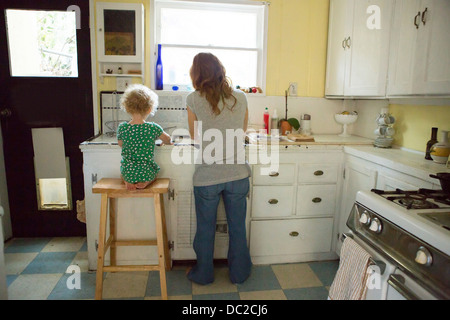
point(101, 247)
point(112, 229)
point(165, 238)
point(160, 241)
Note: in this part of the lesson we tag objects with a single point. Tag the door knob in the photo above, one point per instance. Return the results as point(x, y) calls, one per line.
point(5, 113)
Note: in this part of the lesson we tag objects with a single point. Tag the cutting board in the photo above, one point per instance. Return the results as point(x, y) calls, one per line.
point(300, 137)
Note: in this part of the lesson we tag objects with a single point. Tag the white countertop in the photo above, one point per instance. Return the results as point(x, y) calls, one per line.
point(408, 162)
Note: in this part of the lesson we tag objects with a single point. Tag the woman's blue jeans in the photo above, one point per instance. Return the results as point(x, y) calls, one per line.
point(207, 199)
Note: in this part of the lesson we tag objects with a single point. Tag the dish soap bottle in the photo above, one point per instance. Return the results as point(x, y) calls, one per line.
point(274, 121)
point(266, 120)
point(431, 142)
point(159, 70)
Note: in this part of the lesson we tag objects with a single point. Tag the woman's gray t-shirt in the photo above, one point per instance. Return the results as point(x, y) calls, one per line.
point(222, 140)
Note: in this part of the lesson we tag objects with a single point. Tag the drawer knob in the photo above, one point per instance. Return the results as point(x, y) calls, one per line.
point(273, 201)
point(316, 200)
point(274, 174)
point(293, 234)
point(318, 173)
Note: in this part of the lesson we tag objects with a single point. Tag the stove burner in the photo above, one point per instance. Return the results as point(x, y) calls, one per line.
point(418, 199)
point(410, 202)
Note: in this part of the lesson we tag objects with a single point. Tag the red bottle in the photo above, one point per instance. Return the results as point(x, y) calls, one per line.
point(266, 120)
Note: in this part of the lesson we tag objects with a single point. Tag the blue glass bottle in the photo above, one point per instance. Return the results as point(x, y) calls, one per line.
point(159, 70)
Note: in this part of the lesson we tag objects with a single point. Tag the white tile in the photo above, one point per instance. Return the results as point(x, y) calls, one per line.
point(32, 286)
point(124, 285)
point(64, 244)
point(15, 263)
point(263, 295)
point(221, 284)
point(296, 276)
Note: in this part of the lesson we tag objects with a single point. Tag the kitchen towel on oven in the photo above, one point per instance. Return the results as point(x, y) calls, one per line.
point(350, 282)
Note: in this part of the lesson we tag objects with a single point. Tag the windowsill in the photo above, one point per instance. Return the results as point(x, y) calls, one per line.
point(186, 92)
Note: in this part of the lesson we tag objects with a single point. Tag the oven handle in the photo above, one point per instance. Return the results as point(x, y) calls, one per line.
point(380, 264)
point(398, 283)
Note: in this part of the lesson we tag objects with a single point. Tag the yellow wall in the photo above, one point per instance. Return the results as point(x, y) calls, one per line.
point(297, 46)
point(413, 124)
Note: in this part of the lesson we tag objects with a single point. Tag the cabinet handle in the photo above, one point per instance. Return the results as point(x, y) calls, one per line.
point(316, 200)
point(293, 234)
point(274, 174)
point(348, 43)
point(415, 20)
point(343, 43)
point(424, 16)
point(273, 201)
point(318, 173)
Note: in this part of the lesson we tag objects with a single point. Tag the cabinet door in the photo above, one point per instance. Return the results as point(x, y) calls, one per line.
point(403, 46)
point(337, 33)
point(388, 181)
point(358, 177)
point(368, 48)
point(433, 48)
point(120, 32)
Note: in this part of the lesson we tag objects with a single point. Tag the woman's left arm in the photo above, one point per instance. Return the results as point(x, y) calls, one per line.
point(191, 121)
point(246, 120)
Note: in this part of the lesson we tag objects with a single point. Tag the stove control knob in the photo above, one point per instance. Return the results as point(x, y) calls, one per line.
point(364, 218)
point(423, 256)
point(375, 225)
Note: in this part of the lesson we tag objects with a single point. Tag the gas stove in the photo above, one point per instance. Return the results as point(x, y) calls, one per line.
point(412, 228)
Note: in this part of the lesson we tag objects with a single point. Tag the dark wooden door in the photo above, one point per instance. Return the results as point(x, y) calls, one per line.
point(44, 102)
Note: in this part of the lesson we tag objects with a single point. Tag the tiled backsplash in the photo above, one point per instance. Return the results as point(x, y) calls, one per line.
point(321, 111)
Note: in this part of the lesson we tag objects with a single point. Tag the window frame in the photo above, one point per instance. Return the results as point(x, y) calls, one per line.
point(260, 7)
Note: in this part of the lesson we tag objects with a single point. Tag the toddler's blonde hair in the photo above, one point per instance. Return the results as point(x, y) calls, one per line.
point(139, 99)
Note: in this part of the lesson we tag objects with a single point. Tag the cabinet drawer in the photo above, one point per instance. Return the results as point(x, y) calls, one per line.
point(282, 237)
point(284, 175)
point(316, 200)
point(272, 201)
point(318, 173)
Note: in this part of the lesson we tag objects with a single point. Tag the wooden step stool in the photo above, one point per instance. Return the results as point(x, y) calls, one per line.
point(112, 189)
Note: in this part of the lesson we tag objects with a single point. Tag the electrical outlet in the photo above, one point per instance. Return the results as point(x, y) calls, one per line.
point(293, 89)
point(122, 83)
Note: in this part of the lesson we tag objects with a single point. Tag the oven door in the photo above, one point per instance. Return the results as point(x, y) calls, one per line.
point(381, 269)
point(404, 287)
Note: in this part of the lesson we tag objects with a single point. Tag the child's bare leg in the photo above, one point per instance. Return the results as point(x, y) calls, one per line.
point(130, 186)
point(143, 185)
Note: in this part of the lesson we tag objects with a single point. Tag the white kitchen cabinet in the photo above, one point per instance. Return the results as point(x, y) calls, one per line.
point(358, 48)
point(358, 175)
point(419, 62)
point(293, 207)
point(279, 241)
point(120, 39)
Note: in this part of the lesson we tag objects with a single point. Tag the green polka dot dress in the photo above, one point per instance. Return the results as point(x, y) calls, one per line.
point(138, 149)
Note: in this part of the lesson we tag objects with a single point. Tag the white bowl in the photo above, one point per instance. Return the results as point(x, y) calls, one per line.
point(345, 118)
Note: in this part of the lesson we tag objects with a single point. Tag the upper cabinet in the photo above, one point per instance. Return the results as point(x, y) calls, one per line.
point(120, 39)
point(420, 48)
point(358, 48)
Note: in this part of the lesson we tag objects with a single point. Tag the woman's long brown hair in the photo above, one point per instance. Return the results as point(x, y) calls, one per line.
point(209, 78)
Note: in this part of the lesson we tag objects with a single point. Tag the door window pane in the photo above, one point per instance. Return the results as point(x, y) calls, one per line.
point(42, 43)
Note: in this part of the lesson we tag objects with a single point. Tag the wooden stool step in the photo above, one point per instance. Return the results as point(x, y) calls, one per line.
point(110, 190)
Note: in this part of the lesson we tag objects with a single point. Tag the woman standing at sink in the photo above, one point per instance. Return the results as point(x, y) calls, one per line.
point(215, 106)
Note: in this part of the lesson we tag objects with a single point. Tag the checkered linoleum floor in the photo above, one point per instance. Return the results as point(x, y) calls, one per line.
point(36, 270)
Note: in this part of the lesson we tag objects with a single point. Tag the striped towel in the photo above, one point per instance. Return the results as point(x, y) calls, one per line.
point(350, 282)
